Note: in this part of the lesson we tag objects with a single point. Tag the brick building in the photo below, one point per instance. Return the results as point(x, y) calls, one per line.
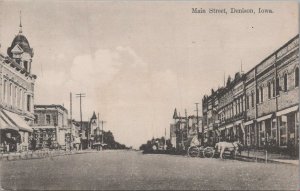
point(259, 108)
point(50, 126)
point(16, 94)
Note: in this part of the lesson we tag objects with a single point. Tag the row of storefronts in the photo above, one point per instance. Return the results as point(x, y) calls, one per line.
point(259, 108)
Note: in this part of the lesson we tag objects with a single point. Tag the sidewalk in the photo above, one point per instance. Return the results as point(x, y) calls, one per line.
point(26, 155)
point(269, 157)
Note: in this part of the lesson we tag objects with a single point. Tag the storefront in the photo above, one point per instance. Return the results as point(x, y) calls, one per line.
point(45, 137)
point(288, 124)
point(249, 133)
point(264, 130)
point(14, 132)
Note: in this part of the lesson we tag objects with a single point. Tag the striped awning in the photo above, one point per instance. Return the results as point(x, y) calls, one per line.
point(5, 123)
point(16, 121)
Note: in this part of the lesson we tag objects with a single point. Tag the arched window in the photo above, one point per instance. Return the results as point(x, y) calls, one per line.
point(15, 96)
point(4, 91)
point(297, 77)
point(269, 90)
point(257, 95)
point(273, 84)
point(277, 86)
point(285, 82)
point(261, 94)
point(10, 94)
point(21, 99)
point(252, 99)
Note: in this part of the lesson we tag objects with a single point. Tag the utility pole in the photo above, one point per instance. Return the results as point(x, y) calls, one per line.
point(197, 110)
point(186, 124)
point(80, 95)
point(165, 147)
point(71, 123)
point(102, 124)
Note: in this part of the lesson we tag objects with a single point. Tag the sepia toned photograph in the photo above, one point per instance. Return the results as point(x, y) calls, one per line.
point(149, 95)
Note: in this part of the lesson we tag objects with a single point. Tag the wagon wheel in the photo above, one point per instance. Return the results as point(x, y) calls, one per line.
point(201, 152)
point(209, 152)
point(193, 151)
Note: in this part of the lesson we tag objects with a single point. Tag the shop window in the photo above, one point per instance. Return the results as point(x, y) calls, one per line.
point(48, 119)
point(297, 77)
point(261, 133)
point(273, 138)
point(283, 130)
point(285, 82)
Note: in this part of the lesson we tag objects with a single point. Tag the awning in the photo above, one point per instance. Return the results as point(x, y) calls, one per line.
point(16, 119)
point(264, 117)
point(238, 122)
point(5, 123)
point(288, 110)
point(229, 126)
point(43, 127)
point(248, 122)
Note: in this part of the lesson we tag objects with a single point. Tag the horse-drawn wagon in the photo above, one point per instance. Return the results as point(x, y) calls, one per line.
point(220, 149)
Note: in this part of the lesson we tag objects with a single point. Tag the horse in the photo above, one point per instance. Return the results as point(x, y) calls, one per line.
point(233, 147)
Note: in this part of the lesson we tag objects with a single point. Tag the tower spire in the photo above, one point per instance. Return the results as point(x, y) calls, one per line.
point(20, 31)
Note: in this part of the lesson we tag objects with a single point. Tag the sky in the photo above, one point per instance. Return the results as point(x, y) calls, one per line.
point(137, 61)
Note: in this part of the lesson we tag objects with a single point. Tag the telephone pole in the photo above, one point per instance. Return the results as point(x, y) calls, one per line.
point(102, 124)
point(197, 110)
point(80, 95)
point(71, 123)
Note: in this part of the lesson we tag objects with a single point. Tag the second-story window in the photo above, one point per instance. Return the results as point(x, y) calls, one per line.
point(277, 86)
point(273, 84)
point(4, 91)
point(296, 77)
point(269, 90)
point(257, 95)
point(54, 120)
point(16, 96)
point(48, 120)
point(247, 102)
point(252, 99)
point(261, 94)
point(36, 119)
point(10, 94)
point(28, 103)
point(285, 82)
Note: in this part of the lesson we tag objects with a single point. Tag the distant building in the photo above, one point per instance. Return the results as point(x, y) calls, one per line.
point(50, 125)
point(183, 129)
point(16, 94)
